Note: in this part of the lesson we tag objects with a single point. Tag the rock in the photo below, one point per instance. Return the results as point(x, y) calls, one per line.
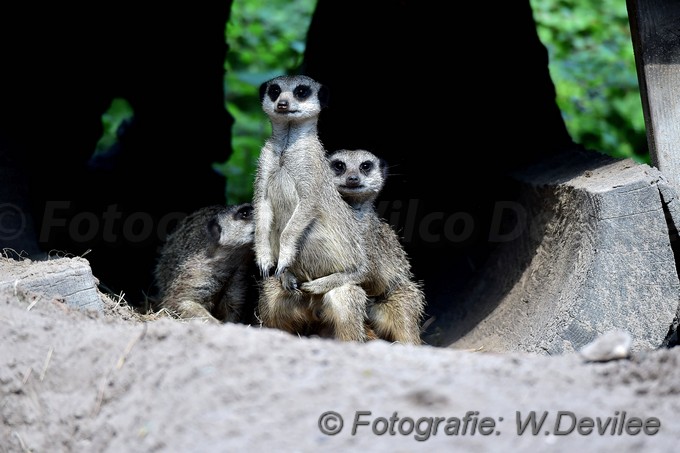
point(611, 345)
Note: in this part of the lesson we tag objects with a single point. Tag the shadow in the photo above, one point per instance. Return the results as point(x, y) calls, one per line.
point(454, 115)
point(63, 64)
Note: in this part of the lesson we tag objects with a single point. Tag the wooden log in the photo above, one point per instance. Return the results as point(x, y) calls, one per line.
point(655, 32)
point(69, 279)
point(590, 252)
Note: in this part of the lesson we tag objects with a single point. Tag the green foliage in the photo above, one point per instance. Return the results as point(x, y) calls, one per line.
point(593, 67)
point(119, 110)
point(266, 39)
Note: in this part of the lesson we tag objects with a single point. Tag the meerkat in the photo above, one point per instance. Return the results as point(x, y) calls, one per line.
point(206, 267)
point(397, 302)
point(305, 234)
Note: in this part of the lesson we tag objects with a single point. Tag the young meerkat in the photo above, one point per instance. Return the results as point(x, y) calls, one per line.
point(397, 302)
point(206, 267)
point(304, 232)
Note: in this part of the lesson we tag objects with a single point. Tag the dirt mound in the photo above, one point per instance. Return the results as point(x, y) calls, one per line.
point(117, 381)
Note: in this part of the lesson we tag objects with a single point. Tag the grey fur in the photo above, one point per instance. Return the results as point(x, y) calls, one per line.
point(304, 232)
point(206, 265)
point(397, 301)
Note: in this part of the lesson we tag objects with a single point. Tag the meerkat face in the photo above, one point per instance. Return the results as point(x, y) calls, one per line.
point(358, 175)
point(233, 227)
point(293, 98)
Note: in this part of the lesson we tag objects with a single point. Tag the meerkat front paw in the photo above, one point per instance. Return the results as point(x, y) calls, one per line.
point(288, 280)
point(266, 267)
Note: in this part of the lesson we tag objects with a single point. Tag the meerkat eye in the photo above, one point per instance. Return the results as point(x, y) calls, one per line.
point(366, 167)
point(302, 92)
point(245, 213)
point(338, 167)
point(274, 91)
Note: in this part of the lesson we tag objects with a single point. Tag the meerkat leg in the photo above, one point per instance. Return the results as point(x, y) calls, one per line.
point(327, 332)
point(264, 254)
point(281, 309)
point(325, 284)
point(370, 333)
point(188, 309)
point(344, 309)
point(230, 306)
point(397, 317)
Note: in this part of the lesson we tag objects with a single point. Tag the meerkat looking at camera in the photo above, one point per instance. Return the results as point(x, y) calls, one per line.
point(206, 266)
point(397, 302)
point(305, 234)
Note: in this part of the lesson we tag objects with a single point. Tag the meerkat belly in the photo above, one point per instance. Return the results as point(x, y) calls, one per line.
point(389, 264)
point(284, 199)
point(326, 248)
point(379, 268)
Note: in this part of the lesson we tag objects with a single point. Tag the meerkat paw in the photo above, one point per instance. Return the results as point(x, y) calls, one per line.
point(288, 280)
point(266, 267)
point(189, 309)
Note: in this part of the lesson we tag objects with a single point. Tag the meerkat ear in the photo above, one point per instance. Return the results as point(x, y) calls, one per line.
point(214, 229)
point(263, 90)
point(382, 164)
point(323, 95)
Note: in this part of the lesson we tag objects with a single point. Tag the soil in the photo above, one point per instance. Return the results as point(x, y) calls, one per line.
point(119, 381)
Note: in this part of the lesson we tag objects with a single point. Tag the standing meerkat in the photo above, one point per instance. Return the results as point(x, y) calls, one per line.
point(305, 234)
point(397, 301)
point(206, 266)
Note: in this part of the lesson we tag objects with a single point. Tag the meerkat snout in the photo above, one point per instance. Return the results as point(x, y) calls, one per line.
point(352, 180)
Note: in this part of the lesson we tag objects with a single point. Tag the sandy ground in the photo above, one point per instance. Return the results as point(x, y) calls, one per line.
point(73, 381)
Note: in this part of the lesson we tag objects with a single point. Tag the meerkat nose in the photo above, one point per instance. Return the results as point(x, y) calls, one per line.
point(282, 105)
